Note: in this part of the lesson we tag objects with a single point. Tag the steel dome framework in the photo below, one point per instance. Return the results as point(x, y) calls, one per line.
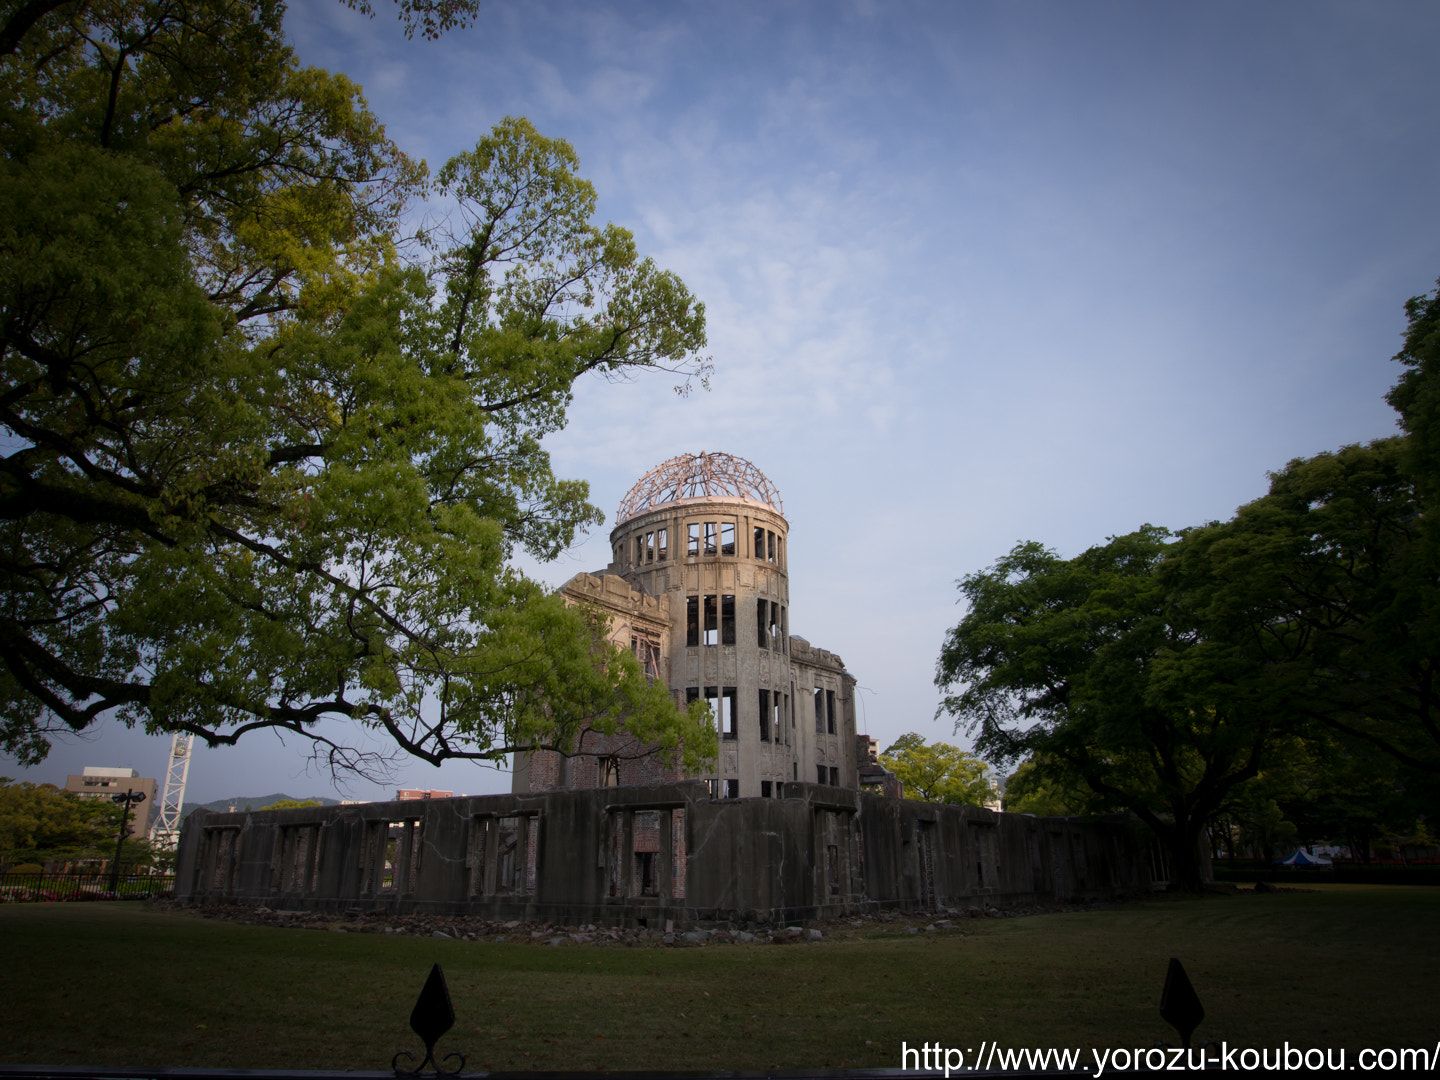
point(697, 476)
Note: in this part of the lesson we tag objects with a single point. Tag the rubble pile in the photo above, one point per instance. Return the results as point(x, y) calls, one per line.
point(529, 932)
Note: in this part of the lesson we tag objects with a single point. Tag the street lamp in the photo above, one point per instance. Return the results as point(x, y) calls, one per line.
point(127, 800)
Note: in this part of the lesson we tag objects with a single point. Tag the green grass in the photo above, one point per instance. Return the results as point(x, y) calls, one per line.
point(124, 984)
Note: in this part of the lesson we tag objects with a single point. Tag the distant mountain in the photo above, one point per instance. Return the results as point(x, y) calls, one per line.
point(254, 802)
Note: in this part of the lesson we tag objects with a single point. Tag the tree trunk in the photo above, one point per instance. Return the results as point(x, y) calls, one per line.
point(1186, 869)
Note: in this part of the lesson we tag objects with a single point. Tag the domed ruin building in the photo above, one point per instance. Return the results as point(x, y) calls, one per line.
point(699, 587)
point(781, 832)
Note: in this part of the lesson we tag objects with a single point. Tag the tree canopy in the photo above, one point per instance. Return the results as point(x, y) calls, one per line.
point(938, 772)
point(1185, 676)
point(266, 461)
point(39, 822)
point(1099, 669)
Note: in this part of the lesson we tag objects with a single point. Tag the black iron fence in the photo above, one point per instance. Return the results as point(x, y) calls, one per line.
point(16, 888)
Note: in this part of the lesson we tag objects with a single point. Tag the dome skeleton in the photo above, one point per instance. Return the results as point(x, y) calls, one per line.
point(697, 476)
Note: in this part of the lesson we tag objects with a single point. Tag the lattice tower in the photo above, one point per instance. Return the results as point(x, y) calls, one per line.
point(165, 833)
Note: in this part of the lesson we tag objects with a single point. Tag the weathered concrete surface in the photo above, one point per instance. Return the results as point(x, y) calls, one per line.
point(655, 856)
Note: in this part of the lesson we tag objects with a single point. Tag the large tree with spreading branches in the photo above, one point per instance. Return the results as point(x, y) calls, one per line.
point(265, 461)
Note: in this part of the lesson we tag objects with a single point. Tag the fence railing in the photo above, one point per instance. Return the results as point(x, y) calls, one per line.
point(52, 888)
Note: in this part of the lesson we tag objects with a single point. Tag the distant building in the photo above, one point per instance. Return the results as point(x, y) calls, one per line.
point(101, 783)
point(407, 794)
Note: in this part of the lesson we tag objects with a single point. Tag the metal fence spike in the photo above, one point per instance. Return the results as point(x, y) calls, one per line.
point(1179, 1004)
point(431, 1018)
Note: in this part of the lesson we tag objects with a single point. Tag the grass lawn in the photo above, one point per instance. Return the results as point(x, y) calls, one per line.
point(124, 984)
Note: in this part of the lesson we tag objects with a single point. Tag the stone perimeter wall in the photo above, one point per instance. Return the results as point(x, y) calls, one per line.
point(642, 856)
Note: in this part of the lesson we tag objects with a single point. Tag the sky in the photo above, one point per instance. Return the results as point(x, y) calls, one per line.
point(975, 273)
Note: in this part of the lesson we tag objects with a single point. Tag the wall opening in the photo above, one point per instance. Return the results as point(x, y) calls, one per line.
point(711, 628)
point(645, 878)
point(221, 857)
point(728, 697)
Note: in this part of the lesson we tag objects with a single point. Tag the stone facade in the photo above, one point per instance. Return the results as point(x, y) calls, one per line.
point(649, 855)
point(699, 586)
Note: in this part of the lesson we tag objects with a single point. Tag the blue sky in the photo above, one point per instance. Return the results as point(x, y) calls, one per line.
point(975, 273)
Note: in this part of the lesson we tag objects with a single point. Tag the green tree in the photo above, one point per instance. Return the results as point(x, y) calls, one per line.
point(292, 804)
point(40, 822)
point(1051, 792)
point(1101, 668)
point(265, 464)
point(938, 772)
point(1330, 580)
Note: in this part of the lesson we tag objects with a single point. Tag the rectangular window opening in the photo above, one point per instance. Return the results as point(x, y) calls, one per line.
point(692, 620)
point(645, 845)
point(764, 715)
point(761, 625)
point(819, 711)
point(765, 788)
point(770, 545)
point(732, 789)
point(645, 873)
point(662, 544)
point(834, 776)
point(712, 620)
point(830, 712)
point(509, 859)
point(820, 774)
point(709, 538)
point(692, 540)
point(648, 653)
point(727, 712)
point(712, 705)
point(727, 619)
point(759, 542)
point(649, 547)
point(727, 538)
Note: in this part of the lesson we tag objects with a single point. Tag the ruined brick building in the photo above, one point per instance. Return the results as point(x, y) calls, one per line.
point(699, 587)
point(795, 821)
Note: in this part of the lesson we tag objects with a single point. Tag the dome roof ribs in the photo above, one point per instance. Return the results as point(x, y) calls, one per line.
point(699, 476)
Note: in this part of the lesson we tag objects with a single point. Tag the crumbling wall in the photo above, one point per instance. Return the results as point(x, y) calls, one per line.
point(654, 855)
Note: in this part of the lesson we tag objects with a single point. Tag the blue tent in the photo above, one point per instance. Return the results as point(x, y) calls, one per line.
point(1300, 858)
